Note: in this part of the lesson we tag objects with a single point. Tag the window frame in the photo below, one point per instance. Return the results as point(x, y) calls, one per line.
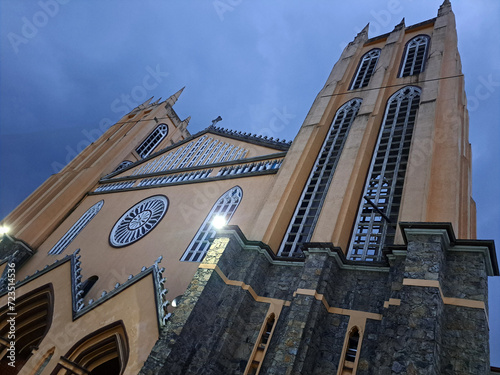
point(205, 234)
point(404, 58)
point(379, 185)
point(364, 82)
point(310, 203)
point(145, 215)
point(75, 229)
point(152, 140)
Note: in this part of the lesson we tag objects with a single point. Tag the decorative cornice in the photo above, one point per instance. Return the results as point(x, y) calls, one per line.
point(235, 232)
point(78, 304)
point(451, 243)
point(186, 182)
point(341, 260)
point(276, 155)
point(248, 137)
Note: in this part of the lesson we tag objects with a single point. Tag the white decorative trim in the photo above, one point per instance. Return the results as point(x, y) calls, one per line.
point(138, 221)
point(76, 229)
point(225, 207)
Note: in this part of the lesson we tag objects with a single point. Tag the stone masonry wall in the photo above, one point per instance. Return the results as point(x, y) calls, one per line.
point(466, 278)
point(217, 325)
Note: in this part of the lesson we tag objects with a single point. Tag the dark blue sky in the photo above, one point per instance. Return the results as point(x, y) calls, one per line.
point(69, 68)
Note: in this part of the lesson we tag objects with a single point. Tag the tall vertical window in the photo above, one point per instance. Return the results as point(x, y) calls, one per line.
point(414, 56)
point(152, 140)
point(309, 206)
point(221, 212)
point(365, 69)
point(379, 209)
point(76, 228)
point(348, 363)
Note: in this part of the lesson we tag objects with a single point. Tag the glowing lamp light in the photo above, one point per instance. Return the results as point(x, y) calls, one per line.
point(4, 230)
point(218, 222)
point(177, 300)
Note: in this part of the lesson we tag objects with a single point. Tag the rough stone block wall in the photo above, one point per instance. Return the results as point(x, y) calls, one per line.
point(371, 352)
point(358, 290)
point(327, 354)
point(254, 269)
point(464, 342)
point(421, 335)
point(466, 276)
point(220, 333)
point(464, 326)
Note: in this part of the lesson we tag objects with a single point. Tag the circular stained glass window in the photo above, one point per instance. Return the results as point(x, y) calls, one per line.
point(138, 221)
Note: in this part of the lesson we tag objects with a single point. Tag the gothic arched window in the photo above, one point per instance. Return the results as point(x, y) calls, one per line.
point(33, 318)
point(76, 228)
point(222, 211)
point(351, 351)
point(378, 213)
point(414, 56)
point(152, 140)
point(105, 351)
point(307, 212)
point(365, 69)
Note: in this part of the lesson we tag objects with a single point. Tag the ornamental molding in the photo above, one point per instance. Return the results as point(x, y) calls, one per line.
point(138, 221)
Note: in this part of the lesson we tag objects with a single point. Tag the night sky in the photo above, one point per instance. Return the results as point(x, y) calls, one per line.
point(70, 69)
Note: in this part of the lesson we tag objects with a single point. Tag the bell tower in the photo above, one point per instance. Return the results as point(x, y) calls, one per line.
point(364, 252)
point(385, 141)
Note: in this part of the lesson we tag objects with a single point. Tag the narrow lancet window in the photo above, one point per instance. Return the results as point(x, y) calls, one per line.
point(414, 56)
point(75, 229)
point(351, 352)
point(255, 363)
point(365, 69)
point(219, 215)
point(309, 206)
point(378, 213)
point(153, 140)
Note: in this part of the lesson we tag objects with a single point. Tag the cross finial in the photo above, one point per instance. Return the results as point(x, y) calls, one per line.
point(216, 120)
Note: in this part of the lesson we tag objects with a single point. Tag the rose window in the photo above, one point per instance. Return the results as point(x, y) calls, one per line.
point(138, 221)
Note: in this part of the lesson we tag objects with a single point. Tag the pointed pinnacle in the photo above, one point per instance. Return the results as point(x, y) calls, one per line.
point(445, 8)
point(173, 99)
point(146, 102)
point(186, 120)
point(363, 34)
point(400, 25)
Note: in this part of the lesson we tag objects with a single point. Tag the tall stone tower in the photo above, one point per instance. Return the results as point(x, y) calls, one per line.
point(352, 250)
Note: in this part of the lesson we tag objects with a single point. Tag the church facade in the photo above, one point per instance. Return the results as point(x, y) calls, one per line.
point(351, 250)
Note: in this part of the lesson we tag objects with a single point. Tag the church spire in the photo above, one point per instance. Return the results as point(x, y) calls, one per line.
point(400, 25)
point(445, 8)
point(173, 99)
point(363, 34)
